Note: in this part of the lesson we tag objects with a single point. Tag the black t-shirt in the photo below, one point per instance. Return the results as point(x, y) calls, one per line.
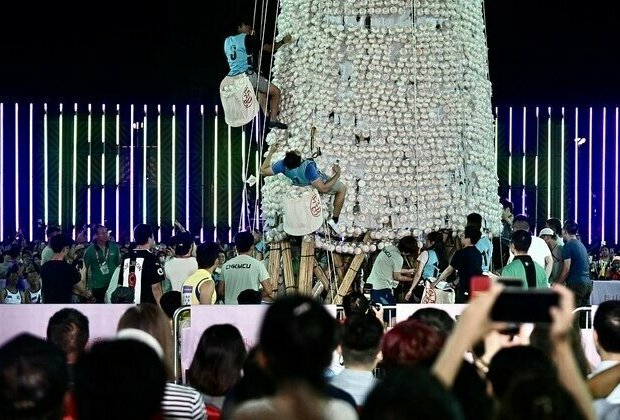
point(141, 267)
point(468, 262)
point(58, 279)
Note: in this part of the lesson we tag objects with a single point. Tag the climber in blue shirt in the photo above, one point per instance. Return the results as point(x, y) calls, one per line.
point(304, 172)
point(239, 50)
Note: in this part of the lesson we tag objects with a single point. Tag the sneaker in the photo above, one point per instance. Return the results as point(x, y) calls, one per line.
point(334, 226)
point(277, 124)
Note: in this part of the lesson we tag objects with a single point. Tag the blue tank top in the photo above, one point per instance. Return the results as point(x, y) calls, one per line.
point(431, 268)
point(239, 61)
point(298, 175)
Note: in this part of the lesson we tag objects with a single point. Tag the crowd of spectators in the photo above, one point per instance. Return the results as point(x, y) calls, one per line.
point(428, 366)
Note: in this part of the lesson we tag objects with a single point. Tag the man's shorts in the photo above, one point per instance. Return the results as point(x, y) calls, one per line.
point(258, 81)
point(335, 188)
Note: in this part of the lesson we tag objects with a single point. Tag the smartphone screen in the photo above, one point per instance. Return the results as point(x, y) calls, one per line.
point(520, 305)
point(366, 290)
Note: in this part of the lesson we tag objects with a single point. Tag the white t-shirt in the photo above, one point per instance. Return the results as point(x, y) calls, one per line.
point(178, 270)
point(538, 251)
point(241, 273)
point(388, 262)
point(607, 408)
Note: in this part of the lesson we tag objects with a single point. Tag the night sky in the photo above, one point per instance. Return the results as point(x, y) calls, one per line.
point(540, 51)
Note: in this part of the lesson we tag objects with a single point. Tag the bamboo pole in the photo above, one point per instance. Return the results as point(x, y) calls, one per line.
point(274, 265)
point(306, 266)
point(349, 277)
point(320, 274)
point(287, 261)
point(317, 290)
point(339, 264)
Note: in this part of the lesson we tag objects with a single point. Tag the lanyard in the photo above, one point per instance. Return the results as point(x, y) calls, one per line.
point(105, 256)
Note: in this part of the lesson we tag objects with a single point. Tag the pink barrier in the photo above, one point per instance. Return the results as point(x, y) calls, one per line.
point(103, 319)
point(16, 319)
point(405, 310)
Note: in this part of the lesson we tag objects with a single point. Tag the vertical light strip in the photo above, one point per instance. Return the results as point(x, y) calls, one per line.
point(243, 176)
point(187, 129)
point(30, 175)
point(562, 170)
point(17, 226)
point(46, 198)
point(617, 189)
point(523, 163)
point(173, 216)
point(576, 163)
point(103, 165)
point(229, 184)
point(117, 233)
point(74, 172)
point(2, 189)
point(603, 177)
point(215, 191)
point(537, 153)
point(144, 165)
point(134, 126)
point(590, 141)
point(202, 171)
point(548, 162)
point(158, 173)
point(89, 162)
point(510, 154)
point(60, 166)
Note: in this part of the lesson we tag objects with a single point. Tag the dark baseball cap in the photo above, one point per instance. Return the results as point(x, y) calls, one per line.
point(183, 243)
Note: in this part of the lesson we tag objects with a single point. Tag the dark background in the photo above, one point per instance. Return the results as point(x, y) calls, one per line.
point(540, 51)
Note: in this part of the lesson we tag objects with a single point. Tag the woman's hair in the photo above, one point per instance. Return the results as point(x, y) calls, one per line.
point(538, 398)
point(510, 364)
point(437, 239)
point(149, 318)
point(218, 360)
point(123, 379)
point(410, 394)
point(297, 338)
point(540, 339)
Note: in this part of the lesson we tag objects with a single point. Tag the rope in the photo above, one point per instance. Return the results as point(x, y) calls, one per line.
point(245, 213)
point(415, 114)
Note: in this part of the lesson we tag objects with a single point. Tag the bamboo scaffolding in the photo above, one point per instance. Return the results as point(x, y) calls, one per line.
point(317, 290)
point(306, 266)
point(287, 261)
point(320, 274)
point(338, 265)
point(274, 265)
point(349, 277)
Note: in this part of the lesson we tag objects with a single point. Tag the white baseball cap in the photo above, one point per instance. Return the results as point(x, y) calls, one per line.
point(547, 231)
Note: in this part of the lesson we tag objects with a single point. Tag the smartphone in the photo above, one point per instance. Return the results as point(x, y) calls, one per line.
point(521, 305)
point(512, 282)
point(479, 284)
point(366, 290)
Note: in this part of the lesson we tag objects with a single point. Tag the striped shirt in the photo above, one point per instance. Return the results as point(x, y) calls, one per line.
point(182, 402)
